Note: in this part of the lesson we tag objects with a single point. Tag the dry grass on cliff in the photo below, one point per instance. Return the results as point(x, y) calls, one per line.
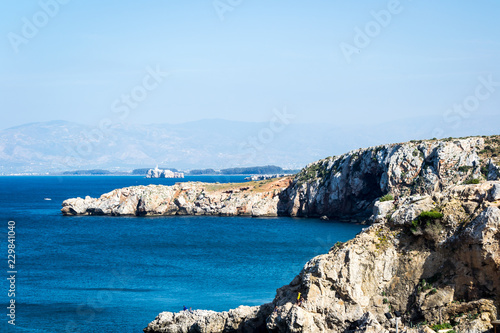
point(251, 187)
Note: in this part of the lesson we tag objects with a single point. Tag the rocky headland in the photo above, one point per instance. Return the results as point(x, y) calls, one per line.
point(431, 254)
point(190, 198)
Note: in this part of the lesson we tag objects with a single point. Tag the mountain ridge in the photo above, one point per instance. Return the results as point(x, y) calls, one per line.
point(56, 146)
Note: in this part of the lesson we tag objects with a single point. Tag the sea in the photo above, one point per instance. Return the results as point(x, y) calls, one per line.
point(116, 274)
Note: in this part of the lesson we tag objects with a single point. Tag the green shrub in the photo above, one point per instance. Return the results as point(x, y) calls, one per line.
point(414, 224)
point(471, 181)
point(426, 220)
point(383, 242)
point(484, 170)
point(424, 286)
point(487, 150)
point(387, 197)
point(318, 170)
point(443, 326)
point(429, 216)
point(464, 168)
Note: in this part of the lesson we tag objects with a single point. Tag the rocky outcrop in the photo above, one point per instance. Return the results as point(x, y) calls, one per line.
point(342, 187)
point(444, 270)
point(440, 269)
point(241, 319)
point(347, 186)
point(194, 198)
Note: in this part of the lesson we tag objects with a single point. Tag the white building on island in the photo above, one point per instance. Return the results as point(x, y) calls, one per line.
point(160, 173)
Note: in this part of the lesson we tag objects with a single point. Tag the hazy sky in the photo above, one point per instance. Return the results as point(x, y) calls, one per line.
point(338, 62)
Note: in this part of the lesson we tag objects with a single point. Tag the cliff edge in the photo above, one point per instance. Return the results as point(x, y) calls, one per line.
point(341, 187)
point(190, 198)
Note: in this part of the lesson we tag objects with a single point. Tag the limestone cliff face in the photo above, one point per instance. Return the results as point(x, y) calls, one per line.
point(246, 199)
point(443, 270)
point(347, 186)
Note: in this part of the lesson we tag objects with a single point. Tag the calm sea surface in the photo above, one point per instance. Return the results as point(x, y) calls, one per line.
point(115, 274)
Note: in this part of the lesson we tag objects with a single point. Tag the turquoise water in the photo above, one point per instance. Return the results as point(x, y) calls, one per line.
point(115, 274)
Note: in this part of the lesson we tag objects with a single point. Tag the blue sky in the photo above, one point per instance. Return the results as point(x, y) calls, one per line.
point(242, 63)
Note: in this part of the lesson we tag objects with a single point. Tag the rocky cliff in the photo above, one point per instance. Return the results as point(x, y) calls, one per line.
point(340, 187)
point(193, 198)
point(432, 259)
point(431, 255)
point(348, 185)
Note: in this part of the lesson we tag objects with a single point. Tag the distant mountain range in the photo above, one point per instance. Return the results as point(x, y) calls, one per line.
point(265, 170)
point(57, 146)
